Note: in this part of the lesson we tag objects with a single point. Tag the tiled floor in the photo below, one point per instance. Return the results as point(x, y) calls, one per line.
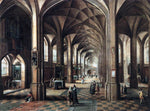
point(58, 102)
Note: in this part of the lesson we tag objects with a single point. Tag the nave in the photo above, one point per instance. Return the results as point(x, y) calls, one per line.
point(57, 100)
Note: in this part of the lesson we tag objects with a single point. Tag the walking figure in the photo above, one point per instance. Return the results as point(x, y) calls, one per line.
point(74, 93)
point(141, 96)
point(70, 95)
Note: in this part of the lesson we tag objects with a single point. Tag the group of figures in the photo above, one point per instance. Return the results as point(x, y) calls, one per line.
point(94, 87)
point(72, 95)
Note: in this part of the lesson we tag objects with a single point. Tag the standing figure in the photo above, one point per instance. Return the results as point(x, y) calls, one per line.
point(51, 82)
point(70, 95)
point(125, 89)
point(92, 88)
point(74, 92)
point(141, 96)
point(82, 80)
point(98, 88)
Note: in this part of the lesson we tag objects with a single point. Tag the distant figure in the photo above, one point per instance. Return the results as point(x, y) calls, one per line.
point(92, 88)
point(98, 88)
point(125, 89)
point(51, 83)
point(29, 97)
point(74, 93)
point(82, 80)
point(141, 96)
point(70, 95)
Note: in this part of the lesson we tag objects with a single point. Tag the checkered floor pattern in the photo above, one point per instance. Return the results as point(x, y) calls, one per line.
point(87, 102)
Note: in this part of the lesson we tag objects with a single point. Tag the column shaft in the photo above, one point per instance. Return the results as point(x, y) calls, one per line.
point(149, 60)
point(69, 66)
point(133, 76)
point(142, 62)
point(1, 84)
point(37, 87)
point(111, 91)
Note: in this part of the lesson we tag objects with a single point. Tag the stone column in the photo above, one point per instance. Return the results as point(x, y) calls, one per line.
point(80, 63)
point(1, 84)
point(133, 45)
point(51, 55)
point(60, 52)
point(133, 76)
point(104, 63)
point(142, 62)
point(76, 58)
point(122, 63)
point(111, 86)
point(37, 55)
point(2, 35)
point(125, 66)
point(69, 61)
point(84, 66)
point(149, 60)
point(77, 62)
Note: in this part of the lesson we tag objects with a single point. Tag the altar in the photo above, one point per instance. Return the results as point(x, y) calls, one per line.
point(58, 84)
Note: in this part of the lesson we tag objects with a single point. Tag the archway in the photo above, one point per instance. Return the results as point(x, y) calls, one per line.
point(83, 25)
point(19, 73)
point(132, 21)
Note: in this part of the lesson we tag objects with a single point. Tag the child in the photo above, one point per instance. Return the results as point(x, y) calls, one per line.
point(141, 96)
point(29, 97)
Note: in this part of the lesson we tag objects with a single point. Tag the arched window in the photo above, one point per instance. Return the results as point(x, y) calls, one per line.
point(146, 51)
point(55, 54)
point(4, 67)
point(45, 50)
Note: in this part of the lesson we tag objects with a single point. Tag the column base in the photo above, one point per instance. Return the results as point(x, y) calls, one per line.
point(38, 91)
point(111, 91)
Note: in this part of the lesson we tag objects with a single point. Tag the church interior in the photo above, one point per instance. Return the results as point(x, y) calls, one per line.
point(51, 47)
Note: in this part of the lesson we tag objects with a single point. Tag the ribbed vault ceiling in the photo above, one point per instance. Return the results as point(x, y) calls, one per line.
point(80, 18)
point(132, 18)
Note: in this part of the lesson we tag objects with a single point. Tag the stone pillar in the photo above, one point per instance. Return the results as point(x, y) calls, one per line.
point(80, 63)
point(77, 62)
point(122, 63)
point(51, 55)
point(149, 60)
point(100, 69)
point(142, 62)
point(133, 52)
point(1, 84)
point(76, 58)
point(84, 66)
point(104, 62)
point(125, 66)
point(111, 86)
point(69, 65)
point(133, 76)
point(2, 35)
point(60, 52)
point(37, 87)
